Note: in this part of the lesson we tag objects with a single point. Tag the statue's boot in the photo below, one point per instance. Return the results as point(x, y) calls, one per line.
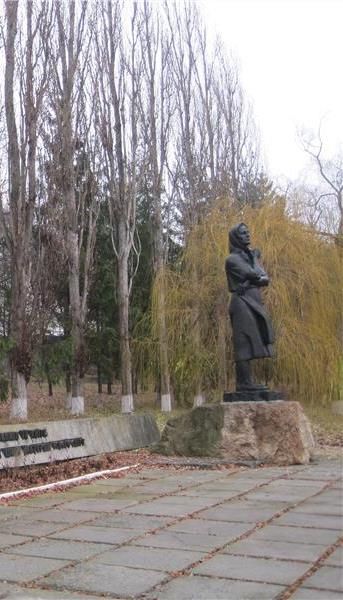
point(244, 379)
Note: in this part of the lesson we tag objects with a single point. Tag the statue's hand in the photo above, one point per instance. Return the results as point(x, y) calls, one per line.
point(263, 281)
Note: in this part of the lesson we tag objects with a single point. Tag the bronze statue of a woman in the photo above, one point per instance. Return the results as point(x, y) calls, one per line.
point(252, 330)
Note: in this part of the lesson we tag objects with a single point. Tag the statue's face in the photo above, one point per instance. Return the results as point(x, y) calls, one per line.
point(244, 235)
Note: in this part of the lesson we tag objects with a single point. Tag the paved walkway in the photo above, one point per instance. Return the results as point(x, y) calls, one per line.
point(180, 534)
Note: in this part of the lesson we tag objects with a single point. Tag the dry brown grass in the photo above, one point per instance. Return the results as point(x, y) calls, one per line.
point(41, 407)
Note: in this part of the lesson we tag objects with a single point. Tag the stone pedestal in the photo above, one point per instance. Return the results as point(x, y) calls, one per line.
point(265, 395)
point(266, 432)
point(272, 432)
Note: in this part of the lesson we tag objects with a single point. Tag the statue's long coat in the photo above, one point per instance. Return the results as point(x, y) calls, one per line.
point(252, 330)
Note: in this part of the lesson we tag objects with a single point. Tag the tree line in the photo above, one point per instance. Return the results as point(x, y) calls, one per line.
point(121, 124)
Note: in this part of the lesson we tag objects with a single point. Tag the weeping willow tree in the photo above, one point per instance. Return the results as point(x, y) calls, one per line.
point(303, 300)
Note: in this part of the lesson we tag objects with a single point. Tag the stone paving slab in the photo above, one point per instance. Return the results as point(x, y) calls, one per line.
point(310, 520)
point(301, 535)
point(216, 494)
point(15, 568)
point(196, 477)
point(228, 485)
point(312, 594)
point(195, 517)
point(252, 569)
point(31, 528)
point(326, 578)
point(188, 541)
point(99, 504)
point(8, 539)
point(319, 474)
point(295, 484)
point(193, 504)
point(316, 508)
point(110, 579)
point(138, 558)
point(208, 588)
point(59, 515)
point(156, 487)
point(157, 508)
point(103, 535)
point(44, 500)
point(336, 558)
point(240, 513)
point(279, 550)
point(68, 550)
point(209, 527)
point(13, 592)
point(15, 512)
point(140, 523)
point(100, 488)
point(331, 496)
point(290, 497)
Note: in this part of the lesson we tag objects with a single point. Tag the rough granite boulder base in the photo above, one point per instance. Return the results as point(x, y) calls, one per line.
point(277, 433)
point(196, 433)
point(270, 432)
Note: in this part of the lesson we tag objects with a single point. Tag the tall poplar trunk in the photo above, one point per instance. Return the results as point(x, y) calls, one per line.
point(70, 43)
point(18, 235)
point(156, 136)
point(123, 298)
point(77, 399)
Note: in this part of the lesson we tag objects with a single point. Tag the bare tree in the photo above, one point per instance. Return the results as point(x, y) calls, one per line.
point(156, 113)
point(72, 153)
point(25, 73)
point(118, 131)
point(331, 174)
point(238, 142)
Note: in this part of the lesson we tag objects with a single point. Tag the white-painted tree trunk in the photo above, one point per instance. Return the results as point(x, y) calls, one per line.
point(68, 401)
point(127, 405)
point(77, 405)
point(199, 400)
point(77, 399)
point(166, 404)
point(19, 402)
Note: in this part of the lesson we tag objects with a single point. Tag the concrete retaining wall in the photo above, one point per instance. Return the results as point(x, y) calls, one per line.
point(36, 443)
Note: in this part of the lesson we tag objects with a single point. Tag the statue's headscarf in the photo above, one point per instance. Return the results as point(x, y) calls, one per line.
point(234, 238)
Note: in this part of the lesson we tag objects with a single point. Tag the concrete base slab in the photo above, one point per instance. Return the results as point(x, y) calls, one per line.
point(46, 442)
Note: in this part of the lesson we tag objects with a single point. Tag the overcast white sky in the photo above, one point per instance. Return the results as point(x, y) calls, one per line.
point(290, 54)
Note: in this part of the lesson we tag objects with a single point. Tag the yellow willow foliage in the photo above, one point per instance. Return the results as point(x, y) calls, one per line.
point(303, 298)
